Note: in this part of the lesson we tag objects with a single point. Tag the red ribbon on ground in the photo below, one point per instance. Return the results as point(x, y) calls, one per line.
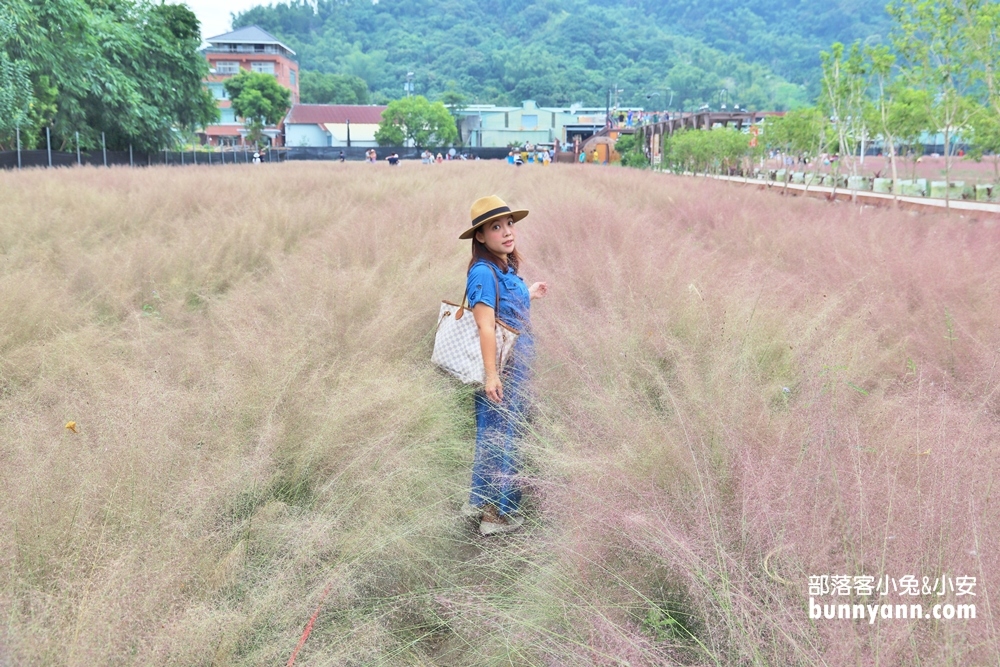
point(309, 625)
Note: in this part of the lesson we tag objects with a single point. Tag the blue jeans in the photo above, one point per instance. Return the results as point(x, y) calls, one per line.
point(499, 428)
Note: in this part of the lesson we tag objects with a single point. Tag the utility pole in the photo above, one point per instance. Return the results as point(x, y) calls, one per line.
point(409, 83)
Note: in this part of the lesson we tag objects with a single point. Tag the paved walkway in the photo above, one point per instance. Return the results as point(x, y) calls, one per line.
point(867, 197)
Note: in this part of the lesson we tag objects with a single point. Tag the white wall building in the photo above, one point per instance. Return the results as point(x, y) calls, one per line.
point(332, 125)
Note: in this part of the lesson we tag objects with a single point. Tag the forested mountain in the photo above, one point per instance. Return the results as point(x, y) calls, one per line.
point(764, 54)
point(786, 36)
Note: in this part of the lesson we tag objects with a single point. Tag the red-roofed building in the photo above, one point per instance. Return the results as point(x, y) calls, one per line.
point(250, 49)
point(332, 125)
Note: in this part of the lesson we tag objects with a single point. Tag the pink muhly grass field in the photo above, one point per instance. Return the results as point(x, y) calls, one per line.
point(735, 391)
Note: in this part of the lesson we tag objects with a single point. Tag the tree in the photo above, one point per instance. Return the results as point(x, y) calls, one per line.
point(985, 139)
point(843, 98)
point(899, 113)
point(453, 99)
point(416, 120)
point(630, 147)
point(799, 132)
point(326, 88)
point(15, 86)
point(909, 114)
point(719, 150)
point(128, 69)
point(982, 20)
point(259, 100)
point(932, 38)
point(881, 111)
point(170, 69)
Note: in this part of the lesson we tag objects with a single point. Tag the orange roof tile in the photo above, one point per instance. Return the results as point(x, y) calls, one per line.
point(309, 114)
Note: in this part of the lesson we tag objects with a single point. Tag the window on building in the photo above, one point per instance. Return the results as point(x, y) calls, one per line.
point(263, 67)
point(291, 76)
point(227, 67)
point(529, 122)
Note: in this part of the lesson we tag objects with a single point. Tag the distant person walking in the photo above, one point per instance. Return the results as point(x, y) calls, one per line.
point(495, 290)
point(342, 157)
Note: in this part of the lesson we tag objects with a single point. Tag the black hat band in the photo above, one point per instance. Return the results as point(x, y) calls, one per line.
point(490, 214)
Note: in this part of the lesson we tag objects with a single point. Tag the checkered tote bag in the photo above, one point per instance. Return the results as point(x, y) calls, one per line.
point(456, 344)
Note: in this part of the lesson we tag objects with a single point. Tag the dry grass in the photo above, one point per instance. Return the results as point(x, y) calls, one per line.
point(726, 379)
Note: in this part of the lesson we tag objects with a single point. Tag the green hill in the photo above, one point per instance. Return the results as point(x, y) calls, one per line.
point(764, 55)
point(785, 36)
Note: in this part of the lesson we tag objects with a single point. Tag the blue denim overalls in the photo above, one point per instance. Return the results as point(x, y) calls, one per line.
point(499, 427)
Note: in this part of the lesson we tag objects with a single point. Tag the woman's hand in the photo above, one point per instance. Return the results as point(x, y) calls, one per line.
point(538, 290)
point(493, 388)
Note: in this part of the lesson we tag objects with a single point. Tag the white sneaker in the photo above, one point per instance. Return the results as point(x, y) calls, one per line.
point(511, 524)
point(470, 511)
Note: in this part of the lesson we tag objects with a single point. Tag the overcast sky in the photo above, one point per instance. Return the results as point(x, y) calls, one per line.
point(214, 14)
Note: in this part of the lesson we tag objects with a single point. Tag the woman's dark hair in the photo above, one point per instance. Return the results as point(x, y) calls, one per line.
point(480, 251)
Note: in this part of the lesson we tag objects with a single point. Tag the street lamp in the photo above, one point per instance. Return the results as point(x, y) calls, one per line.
point(649, 96)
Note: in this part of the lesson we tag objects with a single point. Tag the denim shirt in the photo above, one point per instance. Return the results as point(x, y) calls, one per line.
point(515, 303)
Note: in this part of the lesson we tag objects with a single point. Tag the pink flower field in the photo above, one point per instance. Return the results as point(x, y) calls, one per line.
point(748, 408)
point(929, 167)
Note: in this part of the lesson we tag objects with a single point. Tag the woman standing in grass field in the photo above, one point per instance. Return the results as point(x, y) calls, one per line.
point(494, 288)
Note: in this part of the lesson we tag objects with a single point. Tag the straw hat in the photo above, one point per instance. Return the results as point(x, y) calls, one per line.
point(489, 208)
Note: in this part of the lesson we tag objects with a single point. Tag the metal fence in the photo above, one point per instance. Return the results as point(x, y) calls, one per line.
point(44, 158)
point(23, 159)
point(405, 152)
